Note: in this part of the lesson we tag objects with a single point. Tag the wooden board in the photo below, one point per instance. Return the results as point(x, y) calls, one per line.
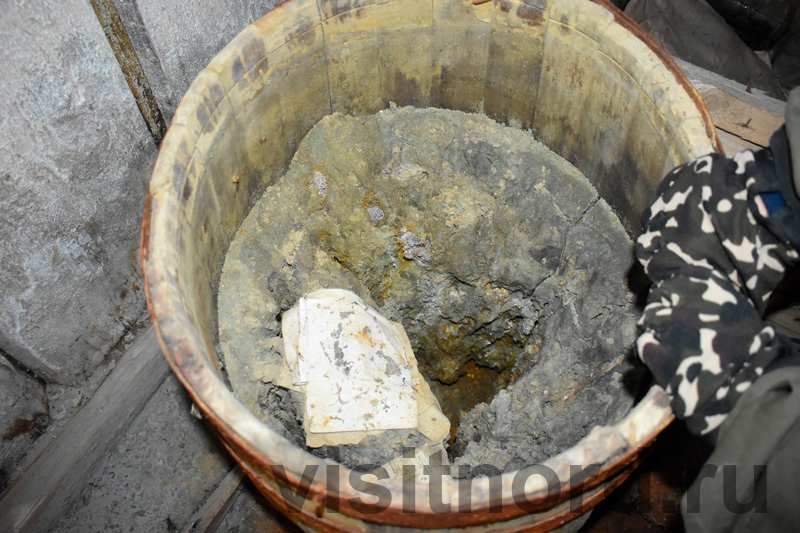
point(51, 484)
point(207, 518)
point(755, 97)
point(733, 144)
point(745, 118)
point(739, 118)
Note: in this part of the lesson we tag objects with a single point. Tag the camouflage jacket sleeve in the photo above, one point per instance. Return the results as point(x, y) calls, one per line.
point(714, 260)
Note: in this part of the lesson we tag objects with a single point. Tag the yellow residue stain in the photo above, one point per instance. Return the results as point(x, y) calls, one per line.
point(292, 246)
point(365, 338)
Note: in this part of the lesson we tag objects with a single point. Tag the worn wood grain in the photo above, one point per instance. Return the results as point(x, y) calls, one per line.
point(740, 118)
point(745, 118)
point(120, 42)
point(699, 76)
point(53, 482)
point(733, 144)
point(207, 517)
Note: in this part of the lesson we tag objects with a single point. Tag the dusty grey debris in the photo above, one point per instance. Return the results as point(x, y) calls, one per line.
point(415, 248)
point(320, 182)
point(375, 214)
point(283, 407)
point(497, 257)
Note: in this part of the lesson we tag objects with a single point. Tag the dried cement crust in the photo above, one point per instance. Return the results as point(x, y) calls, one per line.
point(484, 244)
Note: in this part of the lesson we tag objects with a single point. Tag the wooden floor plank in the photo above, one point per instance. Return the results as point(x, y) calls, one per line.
point(740, 118)
point(204, 520)
point(700, 76)
point(733, 144)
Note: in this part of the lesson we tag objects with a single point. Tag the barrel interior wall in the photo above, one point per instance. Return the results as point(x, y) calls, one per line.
point(405, 54)
point(247, 124)
point(351, 41)
point(516, 49)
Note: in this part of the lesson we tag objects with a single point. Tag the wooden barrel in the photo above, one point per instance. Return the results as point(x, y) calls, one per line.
point(581, 76)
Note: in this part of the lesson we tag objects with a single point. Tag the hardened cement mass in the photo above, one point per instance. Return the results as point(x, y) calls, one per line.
point(505, 268)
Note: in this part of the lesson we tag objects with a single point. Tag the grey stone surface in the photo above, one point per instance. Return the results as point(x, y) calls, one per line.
point(187, 35)
point(23, 416)
point(74, 167)
point(160, 473)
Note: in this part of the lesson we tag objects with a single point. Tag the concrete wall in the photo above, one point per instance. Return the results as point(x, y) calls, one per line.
point(75, 162)
point(74, 168)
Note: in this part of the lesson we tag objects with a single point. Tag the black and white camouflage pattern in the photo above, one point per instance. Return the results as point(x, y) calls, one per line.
point(713, 265)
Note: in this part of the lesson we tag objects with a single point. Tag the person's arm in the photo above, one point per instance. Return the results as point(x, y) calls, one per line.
point(715, 243)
